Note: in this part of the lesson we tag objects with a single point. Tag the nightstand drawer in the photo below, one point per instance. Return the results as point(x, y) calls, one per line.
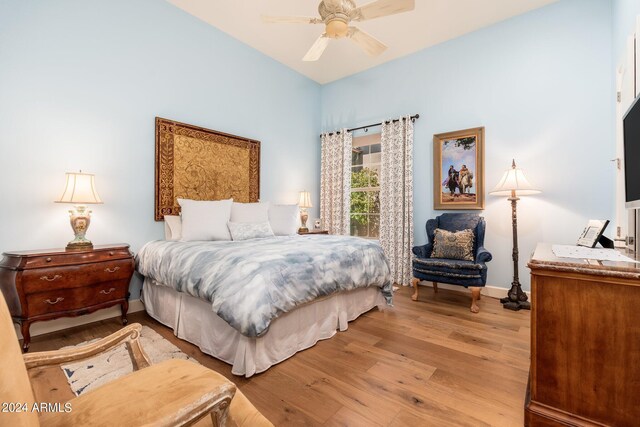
point(72, 299)
point(313, 232)
point(47, 279)
point(70, 258)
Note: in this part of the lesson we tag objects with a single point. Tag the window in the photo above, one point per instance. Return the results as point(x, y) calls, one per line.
point(365, 186)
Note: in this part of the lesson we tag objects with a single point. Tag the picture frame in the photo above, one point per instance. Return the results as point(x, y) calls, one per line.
point(458, 170)
point(592, 234)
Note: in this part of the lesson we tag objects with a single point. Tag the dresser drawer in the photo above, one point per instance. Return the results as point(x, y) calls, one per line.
point(70, 258)
point(47, 279)
point(72, 299)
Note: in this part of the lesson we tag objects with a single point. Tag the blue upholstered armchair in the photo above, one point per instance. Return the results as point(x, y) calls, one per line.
point(453, 271)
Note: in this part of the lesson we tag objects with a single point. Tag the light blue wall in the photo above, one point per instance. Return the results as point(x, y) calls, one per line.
point(541, 84)
point(80, 84)
point(624, 22)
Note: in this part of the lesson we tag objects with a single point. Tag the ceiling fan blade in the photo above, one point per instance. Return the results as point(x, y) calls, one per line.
point(317, 49)
point(368, 43)
point(290, 20)
point(381, 8)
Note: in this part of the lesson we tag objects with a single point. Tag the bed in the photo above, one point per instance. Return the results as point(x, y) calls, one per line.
point(255, 303)
point(251, 303)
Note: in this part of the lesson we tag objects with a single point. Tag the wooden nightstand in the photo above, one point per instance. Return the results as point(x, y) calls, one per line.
point(48, 284)
point(305, 233)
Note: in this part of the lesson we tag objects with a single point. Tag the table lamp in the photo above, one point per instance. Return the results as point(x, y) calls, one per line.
point(80, 191)
point(304, 203)
point(514, 184)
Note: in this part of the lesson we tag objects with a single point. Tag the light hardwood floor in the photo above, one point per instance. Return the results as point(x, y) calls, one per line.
point(424, 363)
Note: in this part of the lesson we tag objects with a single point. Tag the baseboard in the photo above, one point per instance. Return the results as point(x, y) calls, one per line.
point(40, 328)
point(490, 291)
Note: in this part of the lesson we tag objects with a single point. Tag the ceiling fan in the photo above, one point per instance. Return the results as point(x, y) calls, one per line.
point(336, 15)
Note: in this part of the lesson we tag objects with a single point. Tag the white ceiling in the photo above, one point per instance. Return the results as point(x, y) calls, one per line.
point(432, 22)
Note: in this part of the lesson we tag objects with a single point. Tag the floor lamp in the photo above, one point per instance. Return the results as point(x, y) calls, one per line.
point(514, 184)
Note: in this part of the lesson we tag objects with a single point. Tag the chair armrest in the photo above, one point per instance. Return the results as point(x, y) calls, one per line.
point(242, 413)
point(423, 251)
point(129, 335)
point(171, 393)
point(483, 255)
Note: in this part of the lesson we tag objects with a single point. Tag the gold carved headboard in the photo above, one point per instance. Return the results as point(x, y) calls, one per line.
point(203, 164)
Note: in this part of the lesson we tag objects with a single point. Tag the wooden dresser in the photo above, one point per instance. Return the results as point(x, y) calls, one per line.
point(585, 342)
point(48, 284)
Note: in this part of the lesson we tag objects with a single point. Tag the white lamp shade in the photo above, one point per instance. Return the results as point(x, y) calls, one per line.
point(305, 200)
point(514, 180)
point(80, 189)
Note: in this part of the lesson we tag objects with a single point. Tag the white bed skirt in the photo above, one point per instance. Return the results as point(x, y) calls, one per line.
point(193, 320)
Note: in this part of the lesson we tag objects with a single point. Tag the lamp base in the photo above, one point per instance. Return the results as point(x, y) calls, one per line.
point(516, 298)
point(304, 216)
point(78, 246)
point(80, 218)
point(515, 305)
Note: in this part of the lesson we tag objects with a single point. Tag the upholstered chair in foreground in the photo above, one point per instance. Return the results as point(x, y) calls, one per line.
point(454, 254)
point(171, 393)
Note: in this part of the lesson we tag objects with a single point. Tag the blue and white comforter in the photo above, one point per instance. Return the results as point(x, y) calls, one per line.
point(249, 283)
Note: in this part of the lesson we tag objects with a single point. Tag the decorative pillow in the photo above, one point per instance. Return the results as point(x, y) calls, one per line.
point(172, 227)
point(458, 245)
point(250, 230)
point(284, 219)
point(250, 212)
point(205, 220)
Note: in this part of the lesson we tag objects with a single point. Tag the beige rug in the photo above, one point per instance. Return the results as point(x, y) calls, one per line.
point(91, 373)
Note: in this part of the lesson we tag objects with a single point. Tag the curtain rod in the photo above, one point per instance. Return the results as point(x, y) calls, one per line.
point(414, 118)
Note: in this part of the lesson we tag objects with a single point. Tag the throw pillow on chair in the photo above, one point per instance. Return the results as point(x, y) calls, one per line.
point(453, 245)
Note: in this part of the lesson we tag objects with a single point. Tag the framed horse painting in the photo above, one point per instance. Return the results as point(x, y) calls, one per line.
point(458, 170)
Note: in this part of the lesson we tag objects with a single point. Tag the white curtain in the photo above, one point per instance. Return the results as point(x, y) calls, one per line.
point(396, 197)
point(335, 182)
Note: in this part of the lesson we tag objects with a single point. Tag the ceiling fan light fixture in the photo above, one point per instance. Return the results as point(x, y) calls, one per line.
point(337, 15)
point(337, 28)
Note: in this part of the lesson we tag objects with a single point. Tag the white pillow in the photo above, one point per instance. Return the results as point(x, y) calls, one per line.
point(249, 230)
point(250, 212)
point(284, 219)
point(172, 227)
point(205, 220)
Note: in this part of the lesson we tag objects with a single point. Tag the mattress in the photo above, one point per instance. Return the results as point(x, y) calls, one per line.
point(250, 283)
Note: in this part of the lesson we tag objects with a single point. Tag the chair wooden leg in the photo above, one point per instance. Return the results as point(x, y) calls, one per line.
point(475, 296)
point(435, 287)
point(414, 283)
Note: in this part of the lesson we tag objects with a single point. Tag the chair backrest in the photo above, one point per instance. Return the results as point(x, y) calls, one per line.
point(457, 222)
point(15, 386)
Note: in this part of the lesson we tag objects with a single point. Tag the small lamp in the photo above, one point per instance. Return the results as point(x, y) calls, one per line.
point(80, 191)
point(304, 203)
point(513, 184)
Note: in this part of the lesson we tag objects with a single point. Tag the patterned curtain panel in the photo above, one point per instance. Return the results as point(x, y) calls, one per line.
point(396, 197)
point(335, 182)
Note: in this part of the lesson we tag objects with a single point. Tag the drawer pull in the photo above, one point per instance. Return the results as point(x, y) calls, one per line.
point(48, 259)
point(111, 270)
point(48, 301)
point(51, 279)
point(107, 292)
